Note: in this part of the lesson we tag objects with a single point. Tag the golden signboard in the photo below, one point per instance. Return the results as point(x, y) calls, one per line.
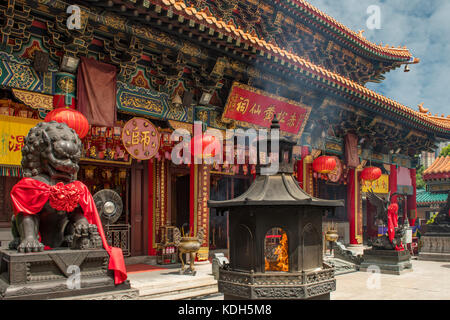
point(13, 131)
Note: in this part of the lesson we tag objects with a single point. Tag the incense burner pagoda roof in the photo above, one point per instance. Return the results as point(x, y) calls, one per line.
point(439, 169)
point(327, 79)
point(278, 189)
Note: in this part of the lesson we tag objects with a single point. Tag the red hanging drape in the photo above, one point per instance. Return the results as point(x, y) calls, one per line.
point(96, 92)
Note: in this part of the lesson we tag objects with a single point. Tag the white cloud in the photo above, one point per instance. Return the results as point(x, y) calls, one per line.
point(424, 27)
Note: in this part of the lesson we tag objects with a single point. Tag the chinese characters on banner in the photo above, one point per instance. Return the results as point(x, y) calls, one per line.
point(251, 106)
point(159, 198)
point(105, 144)
point(12, 138)
point(141, 139)
point(202, 209)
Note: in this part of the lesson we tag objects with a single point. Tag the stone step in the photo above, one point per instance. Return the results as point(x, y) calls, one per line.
point(170, 287)
point(186, 293)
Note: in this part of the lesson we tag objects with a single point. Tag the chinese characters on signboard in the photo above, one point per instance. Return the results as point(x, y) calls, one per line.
point(141, 139)
point(381, 185)
point(13, 131)
point(250, 106)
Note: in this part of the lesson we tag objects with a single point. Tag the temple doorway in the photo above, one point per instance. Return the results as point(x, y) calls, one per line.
point(179, 198)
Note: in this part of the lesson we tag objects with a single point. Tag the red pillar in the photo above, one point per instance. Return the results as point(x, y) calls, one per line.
point(393, 182)
point(192, 197)
point(352, 204)
point(412, 206)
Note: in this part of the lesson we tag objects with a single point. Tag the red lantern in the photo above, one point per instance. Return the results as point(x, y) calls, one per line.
point(324, 164)
point(371, 174)
point(201, 142)
point(73, 118)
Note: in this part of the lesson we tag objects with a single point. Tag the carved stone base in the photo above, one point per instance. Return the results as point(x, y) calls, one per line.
point(53, 273)
point(284, 285)
point(388, 261)
point(435, 247)
point(130, 294)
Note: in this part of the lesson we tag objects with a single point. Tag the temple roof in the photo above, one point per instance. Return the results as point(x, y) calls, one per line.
point(278, 189)
point(439, 169)
point(297, 64)
point(424, 198)
point(338, 30)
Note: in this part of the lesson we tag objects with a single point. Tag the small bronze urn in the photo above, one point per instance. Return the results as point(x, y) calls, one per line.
point(276, 237)
point(332, 236)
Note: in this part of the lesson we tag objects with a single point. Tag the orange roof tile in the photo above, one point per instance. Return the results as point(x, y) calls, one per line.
point(439, 166)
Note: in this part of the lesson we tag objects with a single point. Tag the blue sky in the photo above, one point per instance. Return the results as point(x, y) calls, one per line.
point(422, 26)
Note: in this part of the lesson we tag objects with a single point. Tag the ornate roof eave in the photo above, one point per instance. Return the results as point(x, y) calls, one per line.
point(353, 40)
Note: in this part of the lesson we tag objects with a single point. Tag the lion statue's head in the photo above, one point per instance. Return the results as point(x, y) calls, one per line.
point(52, 149)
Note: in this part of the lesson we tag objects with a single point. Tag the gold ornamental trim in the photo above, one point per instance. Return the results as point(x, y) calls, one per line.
point(34, 100)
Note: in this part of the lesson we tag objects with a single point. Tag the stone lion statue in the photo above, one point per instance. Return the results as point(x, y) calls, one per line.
point(47, 200)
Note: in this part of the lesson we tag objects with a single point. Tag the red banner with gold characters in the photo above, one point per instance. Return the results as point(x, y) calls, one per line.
point(253, 107)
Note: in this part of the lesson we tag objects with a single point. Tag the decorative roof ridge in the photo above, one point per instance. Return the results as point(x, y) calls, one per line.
point(400, 52)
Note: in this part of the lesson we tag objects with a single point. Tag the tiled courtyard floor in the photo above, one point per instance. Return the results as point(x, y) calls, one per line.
point(428, 281)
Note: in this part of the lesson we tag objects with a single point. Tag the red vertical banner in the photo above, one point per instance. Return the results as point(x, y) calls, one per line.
point(159, 201)
point(203, 210)
point(359, 208)
point(151, 192)
point(412, 205)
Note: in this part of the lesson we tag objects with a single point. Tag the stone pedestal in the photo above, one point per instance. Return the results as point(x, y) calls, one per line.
point(53, 273)
point(435, 247)
point(388, 261)
point(236, 285)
